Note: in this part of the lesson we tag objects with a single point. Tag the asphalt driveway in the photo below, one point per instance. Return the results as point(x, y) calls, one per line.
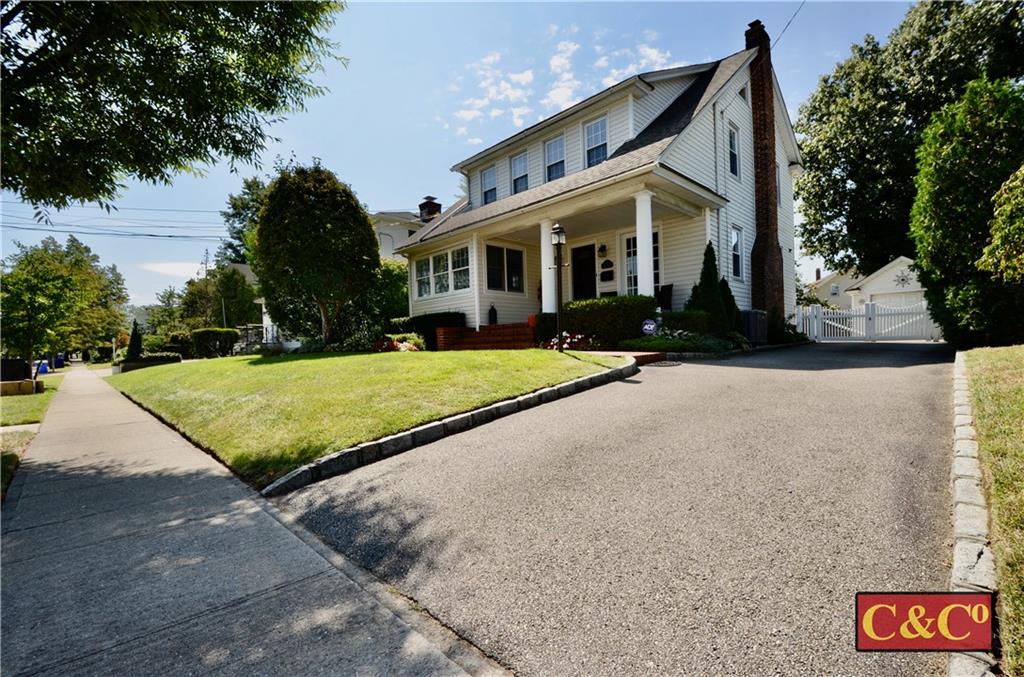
point(712, 518)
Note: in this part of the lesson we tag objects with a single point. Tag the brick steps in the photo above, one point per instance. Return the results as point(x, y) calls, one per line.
point(489, 337)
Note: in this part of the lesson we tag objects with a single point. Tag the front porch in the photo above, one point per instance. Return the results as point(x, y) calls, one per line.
point(644, 236)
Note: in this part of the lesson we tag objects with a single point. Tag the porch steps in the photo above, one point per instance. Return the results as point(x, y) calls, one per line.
point(495, 337)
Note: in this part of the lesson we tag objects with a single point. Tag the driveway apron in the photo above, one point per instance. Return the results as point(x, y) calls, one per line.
point(705, 518)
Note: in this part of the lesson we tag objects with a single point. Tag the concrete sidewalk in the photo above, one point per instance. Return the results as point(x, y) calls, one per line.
point(127, 550)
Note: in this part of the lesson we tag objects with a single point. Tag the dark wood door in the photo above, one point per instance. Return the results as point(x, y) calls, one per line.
point(584, 272)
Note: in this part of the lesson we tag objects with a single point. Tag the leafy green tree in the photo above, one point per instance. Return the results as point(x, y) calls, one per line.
point(238, 298)
point(102, 297)
point(200, 306)
point(98, 91)
point(164, 317)
point(240, 218)
point(314, 244)
point(1004, 255)
point(969, 151)
point(393, 288)
point(38, 300)
point(864, 122)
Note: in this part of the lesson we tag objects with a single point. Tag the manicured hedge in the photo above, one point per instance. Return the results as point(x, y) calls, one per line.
point(149, 360)
point(426, 325)
point(610, 319)
point(214, 341)
point(688, 320)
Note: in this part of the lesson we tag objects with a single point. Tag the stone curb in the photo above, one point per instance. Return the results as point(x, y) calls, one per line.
point(346, 460)
point(682, 357)
point(973, 564)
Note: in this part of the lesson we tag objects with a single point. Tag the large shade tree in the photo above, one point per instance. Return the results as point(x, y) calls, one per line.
point(314, 247)
point(240, 219)
point(95, 92)
point(970, 150)
point(862, 125)
point(38, 299)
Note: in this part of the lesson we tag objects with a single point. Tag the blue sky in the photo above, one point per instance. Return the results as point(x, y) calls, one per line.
point(429, 84)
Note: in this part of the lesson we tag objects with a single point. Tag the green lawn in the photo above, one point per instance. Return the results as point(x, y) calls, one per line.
point(997, 391)
point(264, 416)
point(17, 409)
point(12, 447)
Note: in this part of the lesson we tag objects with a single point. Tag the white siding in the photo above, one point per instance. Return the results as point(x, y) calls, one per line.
point(786, 228)
point(475, 198)
point(458, 301)
point(504, 180)
point(618, 126)
point(682, 243)
point(573, 148)
point(536, 162)
point(649, 106)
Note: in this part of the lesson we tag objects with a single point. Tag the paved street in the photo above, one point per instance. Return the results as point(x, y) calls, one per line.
point(126, 550)
point(710, 518)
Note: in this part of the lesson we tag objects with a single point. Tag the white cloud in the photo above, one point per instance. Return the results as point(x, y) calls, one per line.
point(439, 120)
point(518, 114)
point(491, 59)
point(468, 115)
point(552, 30)
point(184, 270)
point(475, 141)
point(524, 78)
point(461, 131)
point(477, 103)
point(452, 87)
point(643, 58)
point(496, 112)
point(650, 36)
point(561, 61)
point(601, 63)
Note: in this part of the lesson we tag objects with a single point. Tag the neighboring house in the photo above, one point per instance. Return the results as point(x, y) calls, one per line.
point(641, 176)
point(271, 334)
point(894, 285)
point(395, 227)
point(831, 289)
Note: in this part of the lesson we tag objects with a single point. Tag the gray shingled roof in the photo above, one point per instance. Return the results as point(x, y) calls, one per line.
point(643, 150)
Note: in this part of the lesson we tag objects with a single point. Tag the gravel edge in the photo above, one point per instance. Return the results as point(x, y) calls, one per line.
point(973, 564)
point(346, 460)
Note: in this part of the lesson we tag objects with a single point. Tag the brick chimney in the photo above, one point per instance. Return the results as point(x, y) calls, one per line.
point(767, 290)
point(429, 208)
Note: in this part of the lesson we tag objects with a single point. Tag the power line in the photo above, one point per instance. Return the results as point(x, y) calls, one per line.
point(214, 229)
point(119, 209)
point(776, 44)
point(203, 238)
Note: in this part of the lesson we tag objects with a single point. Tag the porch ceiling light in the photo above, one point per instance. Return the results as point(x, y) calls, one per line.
point(557, 234)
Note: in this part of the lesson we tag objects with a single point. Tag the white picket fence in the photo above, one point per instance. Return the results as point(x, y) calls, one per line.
point(870, 322)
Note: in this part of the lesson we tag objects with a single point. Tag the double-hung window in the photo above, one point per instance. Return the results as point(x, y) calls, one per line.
point(505, 269)
point(489, 185)
point(554, 159)
point(520, 173)
point(632, 277)
point(442, 272)
point(734, 151)
point(596, 136)
point(736, 248)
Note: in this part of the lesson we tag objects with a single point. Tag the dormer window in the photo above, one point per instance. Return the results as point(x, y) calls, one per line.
point(489, 185)
point(734, 151)
point(520, 173)
point(554, 158)
point(596, 135)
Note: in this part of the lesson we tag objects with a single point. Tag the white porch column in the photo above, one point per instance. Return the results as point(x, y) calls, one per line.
point(548, 281)
point(644, 243)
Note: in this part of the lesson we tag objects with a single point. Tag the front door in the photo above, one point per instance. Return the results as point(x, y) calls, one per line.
point(584, 272)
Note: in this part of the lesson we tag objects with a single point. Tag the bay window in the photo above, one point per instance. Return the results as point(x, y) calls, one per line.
point(442, 273)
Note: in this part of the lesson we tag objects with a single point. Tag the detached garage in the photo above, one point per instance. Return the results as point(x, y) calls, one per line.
point(894, 285)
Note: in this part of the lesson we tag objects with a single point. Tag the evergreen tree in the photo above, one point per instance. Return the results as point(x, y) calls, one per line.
point(135, 342)
point(706, 295)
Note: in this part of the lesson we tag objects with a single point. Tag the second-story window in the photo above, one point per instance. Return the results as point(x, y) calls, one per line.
point(554, 158)
point(489, 185)
point(596, 135)
point(520, 173)
point(734, 151)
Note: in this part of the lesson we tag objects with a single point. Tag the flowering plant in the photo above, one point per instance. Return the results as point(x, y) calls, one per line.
point(571, 341)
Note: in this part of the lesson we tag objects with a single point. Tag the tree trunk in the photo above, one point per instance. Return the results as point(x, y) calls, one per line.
point(325, 323)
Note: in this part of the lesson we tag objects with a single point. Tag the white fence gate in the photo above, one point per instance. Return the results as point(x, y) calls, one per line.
point(870, 322)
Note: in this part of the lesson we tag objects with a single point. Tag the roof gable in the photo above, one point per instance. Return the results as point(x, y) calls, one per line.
point(898, 261)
